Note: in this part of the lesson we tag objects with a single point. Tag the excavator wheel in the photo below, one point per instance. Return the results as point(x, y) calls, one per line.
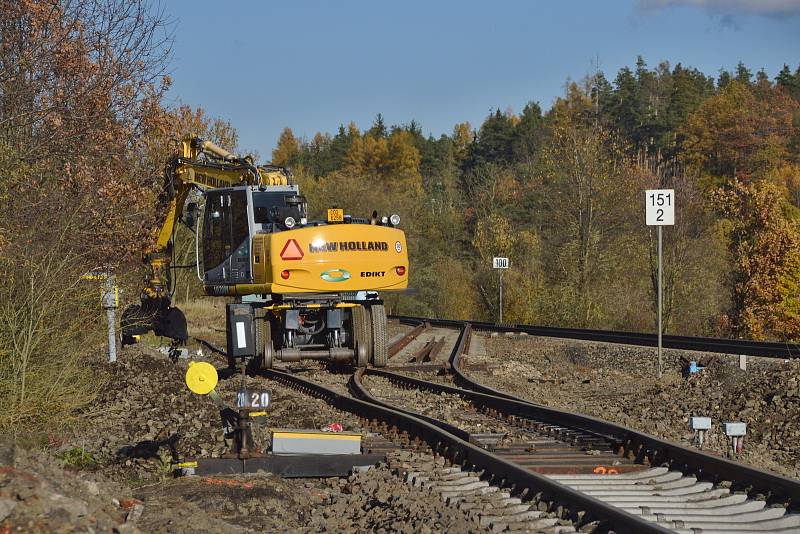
point(266, 353)
point(362, 334)
point(380, 346)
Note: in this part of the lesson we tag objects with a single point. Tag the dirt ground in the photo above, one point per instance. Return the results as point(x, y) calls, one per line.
point(113, 474)
point(618, 383)
point(120, 479)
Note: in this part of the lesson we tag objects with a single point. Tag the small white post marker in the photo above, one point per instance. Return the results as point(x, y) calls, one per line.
point(502, 264)
point(736, 432)
point(700, 425)
point(659, 211)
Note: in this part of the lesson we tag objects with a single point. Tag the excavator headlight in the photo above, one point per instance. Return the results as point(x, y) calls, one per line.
point(394, 219)
point(289, 222)
point(384, 220)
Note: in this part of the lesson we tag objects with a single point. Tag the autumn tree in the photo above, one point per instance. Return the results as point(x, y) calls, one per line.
point(394, 160)
point(288, 150)
point(584, 193)
point(741, 132)
point(462, 138)
point(559, 191)
point(81, 83)
point(765, 248)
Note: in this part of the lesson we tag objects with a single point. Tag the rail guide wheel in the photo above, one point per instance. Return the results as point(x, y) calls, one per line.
point(380, 346)
point(362, 334)
point(266, 352)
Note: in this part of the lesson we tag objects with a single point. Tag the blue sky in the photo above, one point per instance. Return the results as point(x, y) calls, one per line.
point(312, 65)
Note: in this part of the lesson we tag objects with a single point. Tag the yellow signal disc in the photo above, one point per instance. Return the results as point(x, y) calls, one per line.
point(201, 377)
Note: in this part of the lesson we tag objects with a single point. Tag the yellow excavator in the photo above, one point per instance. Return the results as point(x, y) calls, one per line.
point(301, 289)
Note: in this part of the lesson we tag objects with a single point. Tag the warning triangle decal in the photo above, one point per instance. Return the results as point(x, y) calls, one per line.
point(291, 251)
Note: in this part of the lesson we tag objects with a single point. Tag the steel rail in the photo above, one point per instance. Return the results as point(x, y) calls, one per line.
point(776, 488)
point(773, 349)
point(500, 472)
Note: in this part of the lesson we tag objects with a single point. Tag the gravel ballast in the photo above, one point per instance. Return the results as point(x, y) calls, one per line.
point(618, 383)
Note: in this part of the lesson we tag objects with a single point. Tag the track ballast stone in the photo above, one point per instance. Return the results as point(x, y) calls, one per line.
point(617, 383)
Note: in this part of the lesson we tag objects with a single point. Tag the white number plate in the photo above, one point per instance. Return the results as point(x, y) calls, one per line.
point(659, 207)
point(256, 400)
point(500, 263)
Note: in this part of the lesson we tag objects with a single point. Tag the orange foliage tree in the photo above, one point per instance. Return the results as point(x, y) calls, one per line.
point(81, 86)
point(765, 246)
point(743, 131)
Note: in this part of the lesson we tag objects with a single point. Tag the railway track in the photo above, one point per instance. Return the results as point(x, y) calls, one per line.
point(774, 349)
point(538, 462)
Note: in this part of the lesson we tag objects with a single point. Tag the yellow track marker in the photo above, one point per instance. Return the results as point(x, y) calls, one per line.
point(201, 378)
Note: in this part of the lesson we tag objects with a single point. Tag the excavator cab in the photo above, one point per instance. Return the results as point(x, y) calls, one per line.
point(233, 216)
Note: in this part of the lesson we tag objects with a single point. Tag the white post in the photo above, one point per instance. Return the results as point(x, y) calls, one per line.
point(660, 211)
point(501, 296)
point(660, 362)
point(112, 335)
point(109, 302)
point(501, 264)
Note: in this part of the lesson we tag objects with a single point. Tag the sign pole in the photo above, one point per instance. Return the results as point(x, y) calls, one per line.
point(501, 296)
point(110, 303)
point(660, 265)
point(501, 264)
point(660, 211)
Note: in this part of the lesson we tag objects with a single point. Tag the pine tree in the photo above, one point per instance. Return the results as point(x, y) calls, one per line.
point(724, 78)
point(528, 132)
point(743, 74)
point(790, 83)
point(378, 127)
point(624, 110)
point(494, 141)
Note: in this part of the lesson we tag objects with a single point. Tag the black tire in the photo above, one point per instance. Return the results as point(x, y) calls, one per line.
point(380, 346)
point(362, 333)
point(265, 353)
point(268, 357)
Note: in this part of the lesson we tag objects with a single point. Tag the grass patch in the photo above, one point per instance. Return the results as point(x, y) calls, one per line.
point(79, 458)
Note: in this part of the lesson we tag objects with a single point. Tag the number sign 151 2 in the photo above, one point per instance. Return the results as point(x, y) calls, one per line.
point(659, 207)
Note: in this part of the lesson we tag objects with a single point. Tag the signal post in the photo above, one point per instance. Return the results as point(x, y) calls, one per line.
point(659, 211)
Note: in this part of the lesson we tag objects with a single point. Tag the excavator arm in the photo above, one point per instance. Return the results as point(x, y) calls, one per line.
point(196, 163)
